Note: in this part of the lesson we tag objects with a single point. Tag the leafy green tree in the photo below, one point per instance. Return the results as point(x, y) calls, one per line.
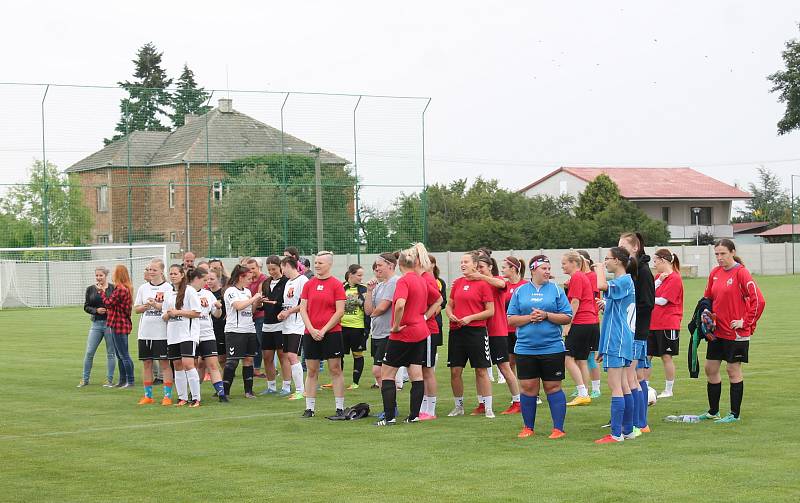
point(16, 233)
point(597, 196)
point(787, 83)
point(48, 196)
point(148, 98)
point(188, 98)
point(770, 202)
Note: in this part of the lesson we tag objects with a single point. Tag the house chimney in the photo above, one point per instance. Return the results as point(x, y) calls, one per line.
point(225, 105)
point(189, 118)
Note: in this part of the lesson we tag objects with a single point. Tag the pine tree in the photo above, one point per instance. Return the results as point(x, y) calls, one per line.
point(148, 97)
point(188, 99)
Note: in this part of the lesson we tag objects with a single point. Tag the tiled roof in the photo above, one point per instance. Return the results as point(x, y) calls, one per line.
point(781, 230)
point(748, 226)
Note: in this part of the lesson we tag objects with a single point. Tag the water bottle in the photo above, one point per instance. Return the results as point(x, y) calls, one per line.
point(685, 418)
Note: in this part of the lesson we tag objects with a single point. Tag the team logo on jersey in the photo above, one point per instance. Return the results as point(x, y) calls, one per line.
point(320, 288)
point(204, 302)
point(729, 282)
point(290, 292)
point(159, 297)
point(466, 287)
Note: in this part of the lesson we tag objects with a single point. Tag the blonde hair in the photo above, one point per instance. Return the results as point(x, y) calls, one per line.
point(418, 252)
point(575, 258)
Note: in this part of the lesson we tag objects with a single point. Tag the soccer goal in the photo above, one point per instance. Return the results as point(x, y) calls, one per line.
point(58, 276)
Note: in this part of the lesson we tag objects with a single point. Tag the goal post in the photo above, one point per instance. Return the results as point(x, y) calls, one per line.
point(58, 276)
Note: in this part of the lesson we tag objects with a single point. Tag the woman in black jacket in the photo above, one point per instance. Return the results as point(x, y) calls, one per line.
point(93, 305)
point(272, 329)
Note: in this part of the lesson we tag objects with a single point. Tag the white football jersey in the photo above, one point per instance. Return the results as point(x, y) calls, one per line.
point(291, 298)
point(204, 322)
point(151, 326)
point(240, 322)
point(180, 328)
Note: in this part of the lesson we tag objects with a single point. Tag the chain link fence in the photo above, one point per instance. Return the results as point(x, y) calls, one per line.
point(242, 173)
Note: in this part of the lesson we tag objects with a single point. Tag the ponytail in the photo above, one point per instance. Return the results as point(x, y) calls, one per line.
point(237, 273)
point(181, 288)
point(422, 256)
point(665, 254)
point(627, 260)
point(729, 244)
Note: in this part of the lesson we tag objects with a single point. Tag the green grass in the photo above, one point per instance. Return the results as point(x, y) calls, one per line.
point(59, 443)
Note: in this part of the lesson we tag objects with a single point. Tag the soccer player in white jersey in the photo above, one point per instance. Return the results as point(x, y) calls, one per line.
point(207, 348)
point(181, 308)
point(240, 329)
point(152, 335)
point(293, 326)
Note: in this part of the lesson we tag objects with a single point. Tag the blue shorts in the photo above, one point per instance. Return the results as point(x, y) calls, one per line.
point(591, 361)
point(640, 354)
point(615, 362)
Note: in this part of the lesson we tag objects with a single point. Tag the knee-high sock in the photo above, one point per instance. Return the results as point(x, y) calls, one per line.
point(737, 393)
point(358, 368)
point(528, 405)
point(637, 408)
point(645, 397)
point(558, 408)
point(389, 394)
point(247, 377)
point(417, 391)
point(617, 415)
point(627, 418)
point(297, 376)
point(714, 392)
point(194, 383)
point(229, 374)
point(181, 385)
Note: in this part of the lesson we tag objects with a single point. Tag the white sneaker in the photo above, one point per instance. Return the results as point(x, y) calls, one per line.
point(457, 411)
point(538, 401)
point(665, 394)
point(489, 414)
point(501, 379)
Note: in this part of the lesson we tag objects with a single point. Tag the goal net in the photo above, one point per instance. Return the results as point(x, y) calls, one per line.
point(58, 276)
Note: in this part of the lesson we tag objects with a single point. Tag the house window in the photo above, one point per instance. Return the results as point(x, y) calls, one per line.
point(172, 195)
point(102, 198)
point(665, 213)
point(701, 217)
point(102, 239)
point(217, 191)
point(173, 236)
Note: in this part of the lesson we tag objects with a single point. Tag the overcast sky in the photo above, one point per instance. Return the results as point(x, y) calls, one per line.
point(517, 88)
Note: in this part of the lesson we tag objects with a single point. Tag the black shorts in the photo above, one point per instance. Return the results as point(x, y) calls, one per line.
point(290, 343)
point(596, 338)
point(730, 351)
point(437, 339)
point(498, 349)
point(185, 349)
point(378, 350)
point(403, 354)
point(206, 349)
point(469, 343)
point(663, 342)
point(430, 351)
point(354, 339)
point(512, 342)
point(545, 367)
point(579, 340)
point(150, 349)
point(238, 346)
point(329, 347)
point(270, 341)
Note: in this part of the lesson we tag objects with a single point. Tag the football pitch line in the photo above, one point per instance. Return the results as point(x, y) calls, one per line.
point(141, 426)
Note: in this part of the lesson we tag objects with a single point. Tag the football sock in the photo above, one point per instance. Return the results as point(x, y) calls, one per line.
point(194, 383)
point(528, 406)
point(220, 387)
point(617, 414)
point(271, 385)
point(487, 403)
point(229, 374)
point(668, 386)
point(431, 405)
point(558, 408)
point(168, 389)
point(389, 394)
point(181, 385)
point(148, 389)
point(627, 417)
point(582, 391)
point(514, 398)
point(311, 403)
point(247, 377)
point(637, 407)
point(358, 368)
point(459, 400)
point(339, 402)
point(480, 399)
point(297, 376)
point(423, 408)
point(417, 391)
point(645, 398)
point(714, 392)
point(287, 387)
point(737, 392)
point(595, 385)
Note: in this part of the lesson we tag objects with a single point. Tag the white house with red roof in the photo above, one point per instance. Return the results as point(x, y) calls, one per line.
point(688, 201)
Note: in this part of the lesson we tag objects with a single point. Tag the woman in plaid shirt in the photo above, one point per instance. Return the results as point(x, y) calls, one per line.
point(118, 307)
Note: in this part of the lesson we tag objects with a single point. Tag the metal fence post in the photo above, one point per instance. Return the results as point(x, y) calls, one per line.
point(357, 186)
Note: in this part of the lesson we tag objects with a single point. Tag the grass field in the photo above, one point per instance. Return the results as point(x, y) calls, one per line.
point(59, 443)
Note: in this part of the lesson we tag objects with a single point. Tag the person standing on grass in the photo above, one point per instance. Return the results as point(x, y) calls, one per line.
point(321, 307)
point(118, 307)
point(665, 324)
point(292, 327)
point(354, 321)
point(468, 308)
point(497, 327)
point(424, 266)
point(214, 285)
point(737, 303)
point(593, 370)
point(581, 332)
point(513, 270)
point(98, 331)
point(211, 309)
point(272, 329)
point(616, 338)
point(409, 338)
point(378, 306)
point(257, 278)
point(538, 309)
point(181, 308)
point(152, 335)
point(645, 300)
point(240, 331)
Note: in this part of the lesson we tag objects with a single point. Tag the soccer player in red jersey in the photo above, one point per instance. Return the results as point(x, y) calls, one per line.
point(322, 307)
point(593, 370)
point(665, 323)
point(423, 265)
point(737, 303)
point(513, 270)
point(469, 306)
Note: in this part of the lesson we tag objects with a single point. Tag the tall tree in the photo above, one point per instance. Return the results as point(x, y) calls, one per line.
point(770, 202)
point(597, 196)
point(48, 198)
point(188, 98)
point(148, 98)
point(787, 84)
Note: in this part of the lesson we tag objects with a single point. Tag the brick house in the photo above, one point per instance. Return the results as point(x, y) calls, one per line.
point(686, 200)
point(172, 180)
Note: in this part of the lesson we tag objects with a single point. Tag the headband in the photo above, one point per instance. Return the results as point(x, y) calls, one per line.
point(537, 263)
point(384, 260)
point(516, 266)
